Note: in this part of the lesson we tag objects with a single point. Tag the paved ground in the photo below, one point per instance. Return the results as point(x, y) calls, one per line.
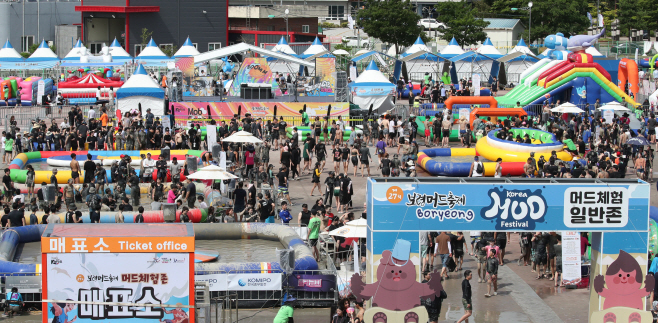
point(521, 298)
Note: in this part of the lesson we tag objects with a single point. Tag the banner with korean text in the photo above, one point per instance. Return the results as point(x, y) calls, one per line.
point(95, 282)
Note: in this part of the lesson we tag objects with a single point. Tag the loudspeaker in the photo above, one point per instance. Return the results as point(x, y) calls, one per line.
point(192, 163)
point(165, 152)
point(216, 151)
point(169, 212)
point(286, 259)
point(50, 193)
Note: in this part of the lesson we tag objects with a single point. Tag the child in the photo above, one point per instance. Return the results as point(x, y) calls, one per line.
point(285, 214)
point(492, 273)
point(466, 297)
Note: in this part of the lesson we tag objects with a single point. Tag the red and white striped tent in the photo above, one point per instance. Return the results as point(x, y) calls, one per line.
point(87, 84)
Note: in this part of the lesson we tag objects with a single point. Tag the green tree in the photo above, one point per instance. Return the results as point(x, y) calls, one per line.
point(170, 50)
point(548, 16)
point(145, 36)
point(461, 23)
point(636, 14)
point(392, 21)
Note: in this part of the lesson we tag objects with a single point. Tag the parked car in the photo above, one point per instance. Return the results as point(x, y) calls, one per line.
point(353, 41)
point(429, 23)
point(627, 48)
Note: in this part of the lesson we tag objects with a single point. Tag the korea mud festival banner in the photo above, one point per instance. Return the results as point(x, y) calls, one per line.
point(92, 276)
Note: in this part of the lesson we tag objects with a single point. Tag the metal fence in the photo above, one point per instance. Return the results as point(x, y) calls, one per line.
point(31, 294)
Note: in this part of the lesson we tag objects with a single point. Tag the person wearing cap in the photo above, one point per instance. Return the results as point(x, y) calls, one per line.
point(286, 311)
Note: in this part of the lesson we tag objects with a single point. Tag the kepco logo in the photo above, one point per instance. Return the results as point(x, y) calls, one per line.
point(515, 209)
point(242, 283)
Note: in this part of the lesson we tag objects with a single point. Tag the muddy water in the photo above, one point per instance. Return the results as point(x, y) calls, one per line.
point(255, 250)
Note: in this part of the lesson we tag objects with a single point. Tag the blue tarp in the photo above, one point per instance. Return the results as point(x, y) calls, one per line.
point(471, 57)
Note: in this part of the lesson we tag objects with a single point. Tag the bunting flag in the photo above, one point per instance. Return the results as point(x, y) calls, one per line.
point(589, 16)
point(600, 19)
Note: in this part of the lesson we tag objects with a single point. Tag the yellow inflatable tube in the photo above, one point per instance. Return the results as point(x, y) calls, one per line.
point(489, 152)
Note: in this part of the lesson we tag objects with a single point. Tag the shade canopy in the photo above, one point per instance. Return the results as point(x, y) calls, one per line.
point(521, 47)
point(315, 48)
point(418, 45)
point(141, 89)
point(453, 49)
point(341, 52)
point(283, 47)
point(243, 137)
point(353, 229)
point(9, 54)
point(152, 51)
point(187, 50)
point(567, 108)
point(43, 53)
point(211, 172)
point(117, 51)
point(616, 106)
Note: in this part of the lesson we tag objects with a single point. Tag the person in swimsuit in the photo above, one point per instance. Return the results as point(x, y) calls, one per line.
point(640, 165)
point(75, 170)
point(180, 316)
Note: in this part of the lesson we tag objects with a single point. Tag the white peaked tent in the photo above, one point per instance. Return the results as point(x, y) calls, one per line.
point(372, 87)
point(315, 48)
point(117, 51)
point(76, 52)
point(453, 49)
point(521, 47)
point(187, 50)
point(594, 52)
point(9, 54)
point(488, 49)
point(283, 47)
point(418, 45)
point(43, 53)
point(141, 89)
point(152, 51)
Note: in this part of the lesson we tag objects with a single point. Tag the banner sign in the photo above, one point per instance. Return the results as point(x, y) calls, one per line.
point(141, 278)
point(475, 78)
point(376, 89)
point(254, 282)
point(312, 283)
point(325, 80)
point(200, 86)
point(254, 70)
point(116, 244)
point(571, 261)
point(187, 112)
point(216, 282)
point(512, 207)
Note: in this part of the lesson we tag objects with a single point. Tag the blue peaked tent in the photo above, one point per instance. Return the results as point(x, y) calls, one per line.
point(141, 89)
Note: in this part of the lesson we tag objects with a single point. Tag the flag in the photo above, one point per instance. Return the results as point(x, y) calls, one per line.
point(600, 19)
point(350, 22)
point(589, 16)
point(355, 247)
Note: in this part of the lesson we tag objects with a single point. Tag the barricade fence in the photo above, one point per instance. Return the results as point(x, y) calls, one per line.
point(28, 284)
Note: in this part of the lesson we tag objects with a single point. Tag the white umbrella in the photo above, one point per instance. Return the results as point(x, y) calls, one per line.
point(356, 230)
point(243, 136)
point(361, 52)
point(341, 52)
point(616, 106)
point(211, 172)
point(567, 108)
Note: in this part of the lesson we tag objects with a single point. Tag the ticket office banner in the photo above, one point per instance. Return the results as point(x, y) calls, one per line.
point(513, 207)
point(138, 278)
point(116, 244)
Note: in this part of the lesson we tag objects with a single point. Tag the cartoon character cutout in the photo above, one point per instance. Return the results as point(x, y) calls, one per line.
point(623, 280)
point(396, 288)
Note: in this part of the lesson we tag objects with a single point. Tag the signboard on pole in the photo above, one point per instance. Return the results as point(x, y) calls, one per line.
point(475, 78)
point(571, 261)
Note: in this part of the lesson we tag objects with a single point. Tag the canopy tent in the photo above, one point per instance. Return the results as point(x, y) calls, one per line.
point(76, 52)
point(9, 54)
point(118, 52)
point(465, 65)
point(211, 172)
point(43, 57)
point(341, 52)
point(594, 52)
point(488, 49)
point(521, 47)
point(515, 64)
point(283, 47)
point(418, 45)
point(187, 49)
point(391, 50)
point(372, 88)
point(152, 55)
point(422, 62)
point(243, 137)
point(315, 49)
point(87, 84)
point(241, 48)
point(453, 49)
point(141, 89)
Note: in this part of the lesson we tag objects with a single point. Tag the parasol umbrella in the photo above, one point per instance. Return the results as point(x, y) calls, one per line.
point(243, 136)
point(567, 108)
point(353, 229)
point(341, 52)
point(638, 141)
point(211, 172)
point(616, 106)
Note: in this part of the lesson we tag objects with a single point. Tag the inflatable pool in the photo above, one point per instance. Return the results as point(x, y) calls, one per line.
point(461, 169)
point(288, 237)
point(493, 148)
point(454, 135)
point(18, 174)
point(305, 131)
